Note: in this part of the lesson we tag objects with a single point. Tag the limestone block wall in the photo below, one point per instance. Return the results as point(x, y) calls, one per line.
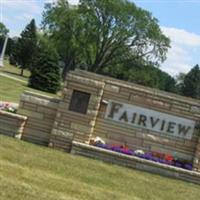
point(12, 124)
point(70, 125)
point(134, 162)
point(57, 123)
point(41, 111)
point(197, 157)
point(147, 140)
point(139, 138)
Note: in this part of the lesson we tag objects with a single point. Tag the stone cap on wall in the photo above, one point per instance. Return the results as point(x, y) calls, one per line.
point(140, 88)
point(13, 115)
point(42, 96)
point(85, 80)
point(39, 99)
point(134, 162)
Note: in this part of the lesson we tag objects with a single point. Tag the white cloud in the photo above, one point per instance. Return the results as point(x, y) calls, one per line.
point(181, 57)
point(16, 14)
point(24, 16)
point(182, 37)
point(73, 2)
point(29, 5)
point(21, 12)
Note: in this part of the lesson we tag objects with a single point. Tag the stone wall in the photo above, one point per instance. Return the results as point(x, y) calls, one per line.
point(12, 124)
point(57, 123)
point(147, 140)
point(137, 138)
point(41, 111)
point(134, 162)
point(69, 125)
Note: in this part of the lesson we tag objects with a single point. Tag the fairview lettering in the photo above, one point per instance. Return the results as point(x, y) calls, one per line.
point(150, 119)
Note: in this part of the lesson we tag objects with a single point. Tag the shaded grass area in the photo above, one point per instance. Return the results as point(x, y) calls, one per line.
point(29, 172)
point(11, 90)
point(14, 71)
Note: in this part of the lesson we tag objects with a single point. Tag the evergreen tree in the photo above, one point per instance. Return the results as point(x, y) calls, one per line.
point(26, 47)
point(180, 83)
point(191, 84)
point(45, 73)
point(13, 51)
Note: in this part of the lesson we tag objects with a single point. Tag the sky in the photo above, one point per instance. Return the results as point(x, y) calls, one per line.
point(178, 19)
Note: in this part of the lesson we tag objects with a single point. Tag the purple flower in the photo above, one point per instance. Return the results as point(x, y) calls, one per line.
point(178, 164)
point(188, 166)
point(162, 161)
point(148, 156)
point(155, 159)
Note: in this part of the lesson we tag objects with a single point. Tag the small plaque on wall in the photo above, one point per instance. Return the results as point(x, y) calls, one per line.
point(79, 102)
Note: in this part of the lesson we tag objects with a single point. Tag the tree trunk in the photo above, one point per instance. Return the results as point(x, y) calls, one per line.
point(22, 72)
point(69, 65)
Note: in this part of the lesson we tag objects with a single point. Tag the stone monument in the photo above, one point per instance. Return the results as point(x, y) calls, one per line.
point(3, 51)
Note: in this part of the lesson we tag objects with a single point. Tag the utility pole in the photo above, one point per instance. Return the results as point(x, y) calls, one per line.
point(3, 51)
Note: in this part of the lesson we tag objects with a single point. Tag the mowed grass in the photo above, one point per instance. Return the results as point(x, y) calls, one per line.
point(14, 71)
point(10, 89)
point(30, 172)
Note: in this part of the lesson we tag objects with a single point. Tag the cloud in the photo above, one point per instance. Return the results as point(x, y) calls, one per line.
point(31, 6)
point(181, 36)
point(16, 14)
point(184, 52)
point(73, 2)
point(24, 17)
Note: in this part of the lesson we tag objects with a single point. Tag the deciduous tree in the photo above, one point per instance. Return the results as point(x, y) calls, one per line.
point(3, 30)
point(102, 33)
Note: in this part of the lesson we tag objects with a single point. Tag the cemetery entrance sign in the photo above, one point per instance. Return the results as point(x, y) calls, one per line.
point(150, 119)
point(118, 112)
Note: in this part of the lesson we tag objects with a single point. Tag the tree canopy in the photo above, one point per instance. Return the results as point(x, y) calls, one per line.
point(142, 74)
point(45, 73)
point(24, 48)
point(110, 37)
point(102, 33)
point(3, 30)
point(191, 83)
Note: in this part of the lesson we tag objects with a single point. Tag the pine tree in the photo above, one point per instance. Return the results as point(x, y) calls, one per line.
point(45, 73)
point(26, 46)
point(191, 84)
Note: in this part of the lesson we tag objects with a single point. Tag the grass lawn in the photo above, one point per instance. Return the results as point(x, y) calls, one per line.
point(14, 71)
point(30, 172)
point(10, 90)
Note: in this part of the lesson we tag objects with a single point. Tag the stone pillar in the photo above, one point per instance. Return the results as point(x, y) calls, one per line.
point(3, 51)
point(74, 126)
point(196, 160)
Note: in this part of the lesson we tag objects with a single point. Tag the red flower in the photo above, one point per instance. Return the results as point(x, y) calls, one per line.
point(169, 157)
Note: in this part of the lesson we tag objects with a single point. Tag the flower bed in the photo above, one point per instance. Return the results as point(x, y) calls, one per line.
point(8, 107)
point(167, 159)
